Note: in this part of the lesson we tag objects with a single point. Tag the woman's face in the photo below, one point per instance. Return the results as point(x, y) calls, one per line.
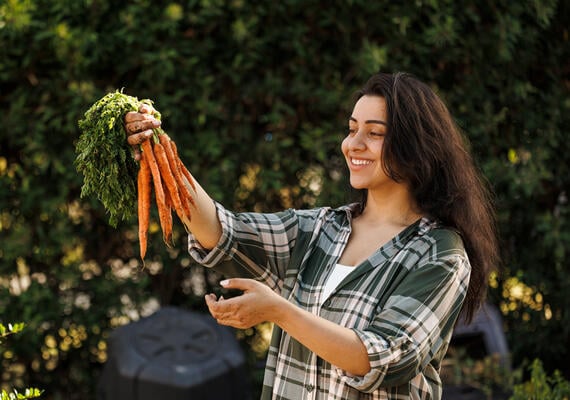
point(362, 147)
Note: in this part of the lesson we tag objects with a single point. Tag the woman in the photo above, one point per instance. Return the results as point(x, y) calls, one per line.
point(363, 297)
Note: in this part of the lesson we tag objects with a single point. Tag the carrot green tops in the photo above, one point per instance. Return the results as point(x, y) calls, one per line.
point(402, 301)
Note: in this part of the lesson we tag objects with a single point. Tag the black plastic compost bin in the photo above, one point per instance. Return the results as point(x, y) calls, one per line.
point(481, 338)
point(484, 336)
point(174, 354)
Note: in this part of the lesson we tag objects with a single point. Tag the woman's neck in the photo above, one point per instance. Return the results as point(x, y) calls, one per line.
point(394, 207)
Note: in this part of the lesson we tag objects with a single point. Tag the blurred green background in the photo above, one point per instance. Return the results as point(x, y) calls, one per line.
point(256, 95)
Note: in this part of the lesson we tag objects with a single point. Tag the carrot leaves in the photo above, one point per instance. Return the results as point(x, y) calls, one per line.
point(104, 157)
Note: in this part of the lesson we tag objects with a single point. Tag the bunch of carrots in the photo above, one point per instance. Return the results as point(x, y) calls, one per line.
point(110, 172)
point(171, 180)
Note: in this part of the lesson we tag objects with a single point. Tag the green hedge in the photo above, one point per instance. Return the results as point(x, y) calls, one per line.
point(256, 94)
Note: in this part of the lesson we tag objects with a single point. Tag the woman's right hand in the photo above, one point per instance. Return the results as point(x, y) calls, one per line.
point(139, 125)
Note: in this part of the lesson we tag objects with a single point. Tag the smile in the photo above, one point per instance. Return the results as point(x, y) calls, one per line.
point(357, 161)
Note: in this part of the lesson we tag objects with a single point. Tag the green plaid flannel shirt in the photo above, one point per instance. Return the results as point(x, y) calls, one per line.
point(402, 302)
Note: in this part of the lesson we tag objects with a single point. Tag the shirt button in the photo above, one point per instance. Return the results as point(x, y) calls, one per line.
point(309, 388)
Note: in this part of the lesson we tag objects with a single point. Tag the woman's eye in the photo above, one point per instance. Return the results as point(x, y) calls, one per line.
point(377, 134)
point(351, 131)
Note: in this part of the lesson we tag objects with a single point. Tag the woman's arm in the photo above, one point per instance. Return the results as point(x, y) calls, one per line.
point(204, 223)
point(336, 344)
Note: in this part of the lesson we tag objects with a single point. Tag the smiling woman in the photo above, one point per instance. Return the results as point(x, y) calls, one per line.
point(362, 148)
point(364, 297)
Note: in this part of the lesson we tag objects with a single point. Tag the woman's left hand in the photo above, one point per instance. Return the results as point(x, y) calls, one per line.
point(258, 303)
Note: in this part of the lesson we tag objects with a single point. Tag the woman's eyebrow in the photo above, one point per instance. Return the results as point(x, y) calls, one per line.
point(370, 121)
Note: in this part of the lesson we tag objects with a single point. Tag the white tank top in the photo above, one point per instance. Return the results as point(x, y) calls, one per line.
point(337, 275)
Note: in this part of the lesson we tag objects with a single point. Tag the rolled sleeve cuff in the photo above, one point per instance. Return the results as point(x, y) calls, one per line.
point(377, 350)
point(211, 257)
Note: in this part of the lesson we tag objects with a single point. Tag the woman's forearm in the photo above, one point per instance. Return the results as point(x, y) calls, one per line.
point(258, 303)
point(204, 223)
point(338, 345)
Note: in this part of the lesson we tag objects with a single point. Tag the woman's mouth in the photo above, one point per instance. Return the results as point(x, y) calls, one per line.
point(360, 162)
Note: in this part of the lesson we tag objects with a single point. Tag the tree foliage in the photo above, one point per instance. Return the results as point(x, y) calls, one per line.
point(28, 393)
point(256, 95)
point(542, 386)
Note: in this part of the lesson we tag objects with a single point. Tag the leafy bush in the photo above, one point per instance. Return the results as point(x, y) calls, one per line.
point(29, 393)
point(541, 386)
point(256, 95)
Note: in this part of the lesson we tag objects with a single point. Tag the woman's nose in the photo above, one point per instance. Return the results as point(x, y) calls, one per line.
point(356, 141)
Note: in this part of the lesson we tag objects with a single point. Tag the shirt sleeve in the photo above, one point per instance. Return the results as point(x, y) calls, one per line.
point(415, 324)
point(255, 245)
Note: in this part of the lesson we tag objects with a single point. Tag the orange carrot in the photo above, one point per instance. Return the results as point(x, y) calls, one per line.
point(170, 181)
point(185, 195)
point(143, 185)
point(158, 189)
point(182, 167)
point(168, 228)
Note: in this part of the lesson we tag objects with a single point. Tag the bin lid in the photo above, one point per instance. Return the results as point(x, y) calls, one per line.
point(176, 338)
point(177, 346)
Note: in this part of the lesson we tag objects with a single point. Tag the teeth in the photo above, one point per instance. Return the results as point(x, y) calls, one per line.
point(360, 162)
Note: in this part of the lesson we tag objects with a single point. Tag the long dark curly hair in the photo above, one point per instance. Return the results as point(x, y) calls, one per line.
point(425, 148)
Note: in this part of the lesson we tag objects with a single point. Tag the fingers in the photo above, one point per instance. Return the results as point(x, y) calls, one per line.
point(138, 138)
point(133, 116)
point(238, 283)
point(136, 122)
point(135, 140)
point(210, 300)
point(229, 312)
point(146, 109)
point(222, 310)
point(241, 311)
point(219, 306)
point(141, 114)
point(139, 126)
